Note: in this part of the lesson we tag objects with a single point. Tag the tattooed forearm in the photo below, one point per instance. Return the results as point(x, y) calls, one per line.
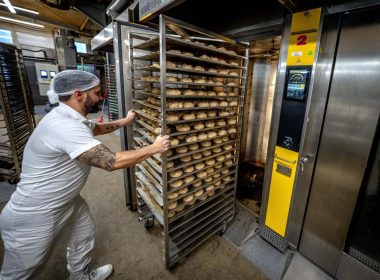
point(99, 156)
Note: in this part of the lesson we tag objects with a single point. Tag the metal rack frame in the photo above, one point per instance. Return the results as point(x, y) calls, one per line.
point(16, 118)
point(187, 229)
point(113, 107)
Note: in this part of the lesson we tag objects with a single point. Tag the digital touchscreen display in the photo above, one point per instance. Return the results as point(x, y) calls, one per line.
point(297, 84)
point(43, 73)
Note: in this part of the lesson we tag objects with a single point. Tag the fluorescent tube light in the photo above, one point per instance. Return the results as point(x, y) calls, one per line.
point(9, 6)
point(22, 9)
point(21, 22)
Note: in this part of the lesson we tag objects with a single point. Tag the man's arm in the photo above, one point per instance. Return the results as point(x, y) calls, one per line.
point(104, 128)
point(100, 156)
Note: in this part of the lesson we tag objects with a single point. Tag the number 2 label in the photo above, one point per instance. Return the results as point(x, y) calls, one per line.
point(301, 40)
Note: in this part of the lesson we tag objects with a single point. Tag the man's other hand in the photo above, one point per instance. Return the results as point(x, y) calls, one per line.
point(130, 117)
point(161, 144)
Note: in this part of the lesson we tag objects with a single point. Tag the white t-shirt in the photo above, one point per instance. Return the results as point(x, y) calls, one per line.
point(51, 177)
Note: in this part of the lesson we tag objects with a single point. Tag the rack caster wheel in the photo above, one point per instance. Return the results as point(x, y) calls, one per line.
point(149, 223)
point(222, 230)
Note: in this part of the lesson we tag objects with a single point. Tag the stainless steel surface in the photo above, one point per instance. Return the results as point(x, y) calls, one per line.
point(260, 111)
point(301, 268)
point(351, 118)
point(319, 93)
point(104, 37)
point(352, 5)
point(351, 269)
point(279, 89)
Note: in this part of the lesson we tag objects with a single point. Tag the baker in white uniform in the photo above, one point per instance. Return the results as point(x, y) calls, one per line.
point(57, 161)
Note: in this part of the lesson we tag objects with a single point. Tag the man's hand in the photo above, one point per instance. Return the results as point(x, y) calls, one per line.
point(130, 117)
point(161, 144)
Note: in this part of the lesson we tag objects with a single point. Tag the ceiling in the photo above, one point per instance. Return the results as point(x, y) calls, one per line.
point(71, 19)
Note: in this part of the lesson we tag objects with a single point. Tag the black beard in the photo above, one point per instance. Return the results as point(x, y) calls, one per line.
point(92, 108)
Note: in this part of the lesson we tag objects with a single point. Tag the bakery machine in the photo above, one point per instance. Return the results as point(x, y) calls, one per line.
point(321, 188)
point(188, 83)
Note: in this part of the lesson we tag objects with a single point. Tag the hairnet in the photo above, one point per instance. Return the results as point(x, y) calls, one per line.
point(69, 81)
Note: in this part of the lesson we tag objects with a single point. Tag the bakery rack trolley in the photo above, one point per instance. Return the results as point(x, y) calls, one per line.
point(188, 83)
point(16, 120)
point(113, 108)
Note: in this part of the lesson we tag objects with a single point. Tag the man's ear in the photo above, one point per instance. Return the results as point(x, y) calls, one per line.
point(78, 94)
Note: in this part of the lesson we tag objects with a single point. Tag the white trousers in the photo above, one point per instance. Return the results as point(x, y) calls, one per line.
point(28, 238)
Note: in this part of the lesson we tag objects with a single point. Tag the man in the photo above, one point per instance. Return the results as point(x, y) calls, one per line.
point(56, 164)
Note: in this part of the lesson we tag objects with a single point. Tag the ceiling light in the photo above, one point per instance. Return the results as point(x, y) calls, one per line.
point(21, 22)
point(9, 5)
point(22, 9)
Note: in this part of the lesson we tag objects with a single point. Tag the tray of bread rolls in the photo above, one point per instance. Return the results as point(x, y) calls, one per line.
point(191, 88)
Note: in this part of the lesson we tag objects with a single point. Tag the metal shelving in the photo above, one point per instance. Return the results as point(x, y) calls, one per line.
point(16, 118)
point(113, 108)
point(191, 188)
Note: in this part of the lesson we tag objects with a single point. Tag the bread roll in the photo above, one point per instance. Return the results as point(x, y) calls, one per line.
point(228, 162)
point(220, 158)
point(199, 43)
point(217, 183)
point(199, 193)
point(189, 92)
point(171, 214)
point(231, 121)
point(201, 93)
point(221, 93)
point(227, 147)
point(202, 136)
point(188, 169)
point(182, 127)
point(176, 184)
point(222, 132)
point(228, 155)
point(186, 80)
point(199, 68)
point(217, 141)
point(210, 188)
point(157, 130)
point(169, 164)
point(196, 156)
point(189, 116)
point(181, 150)
point(223, 72)
point(224, 171)
point(210, 81)
point(223, 103)
point(214, 104)
point(217, 150)
point(176, 173)
point(185, 159)
point(188, 198)
point(173, 195)
point(194, 147)
point(188, 104)
point(199, 166)
point(206, 143)
point(216, 175)
point(208, 179)
point(234, 63)
point(201, 174)
point(206, 153)
point(221, 60)
point(175, 51)
point(155, 91)
point(183, 190)
point(213, 58)
point(211, 113)
point(218, 165)
point(221, 122)
point(204, 56)
point(191, 139)
point(226, 178)
point(232, 130)
point(212, 70)
point(172, 117)
point(203, 104)
point(211, 134)
point(186, 66)
point(200, 81)
point(197, 184)
point(173, 92)
point(174, 142)
point(231, 93)
point(201, 115)
point(172, 205)
point(188, 179)
point(210, 161)
point(210, 170)
point(218, 81)
point(180, 207)
point(211, 46)
point(210, 124)
point(233, 73)
point(174, 105)
point(171, 79)
point(170, 64)
point(232, 52)
point(223, 113)
point(233, 103)
point(198, 125)
point(223, 49)
point(188, 53)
